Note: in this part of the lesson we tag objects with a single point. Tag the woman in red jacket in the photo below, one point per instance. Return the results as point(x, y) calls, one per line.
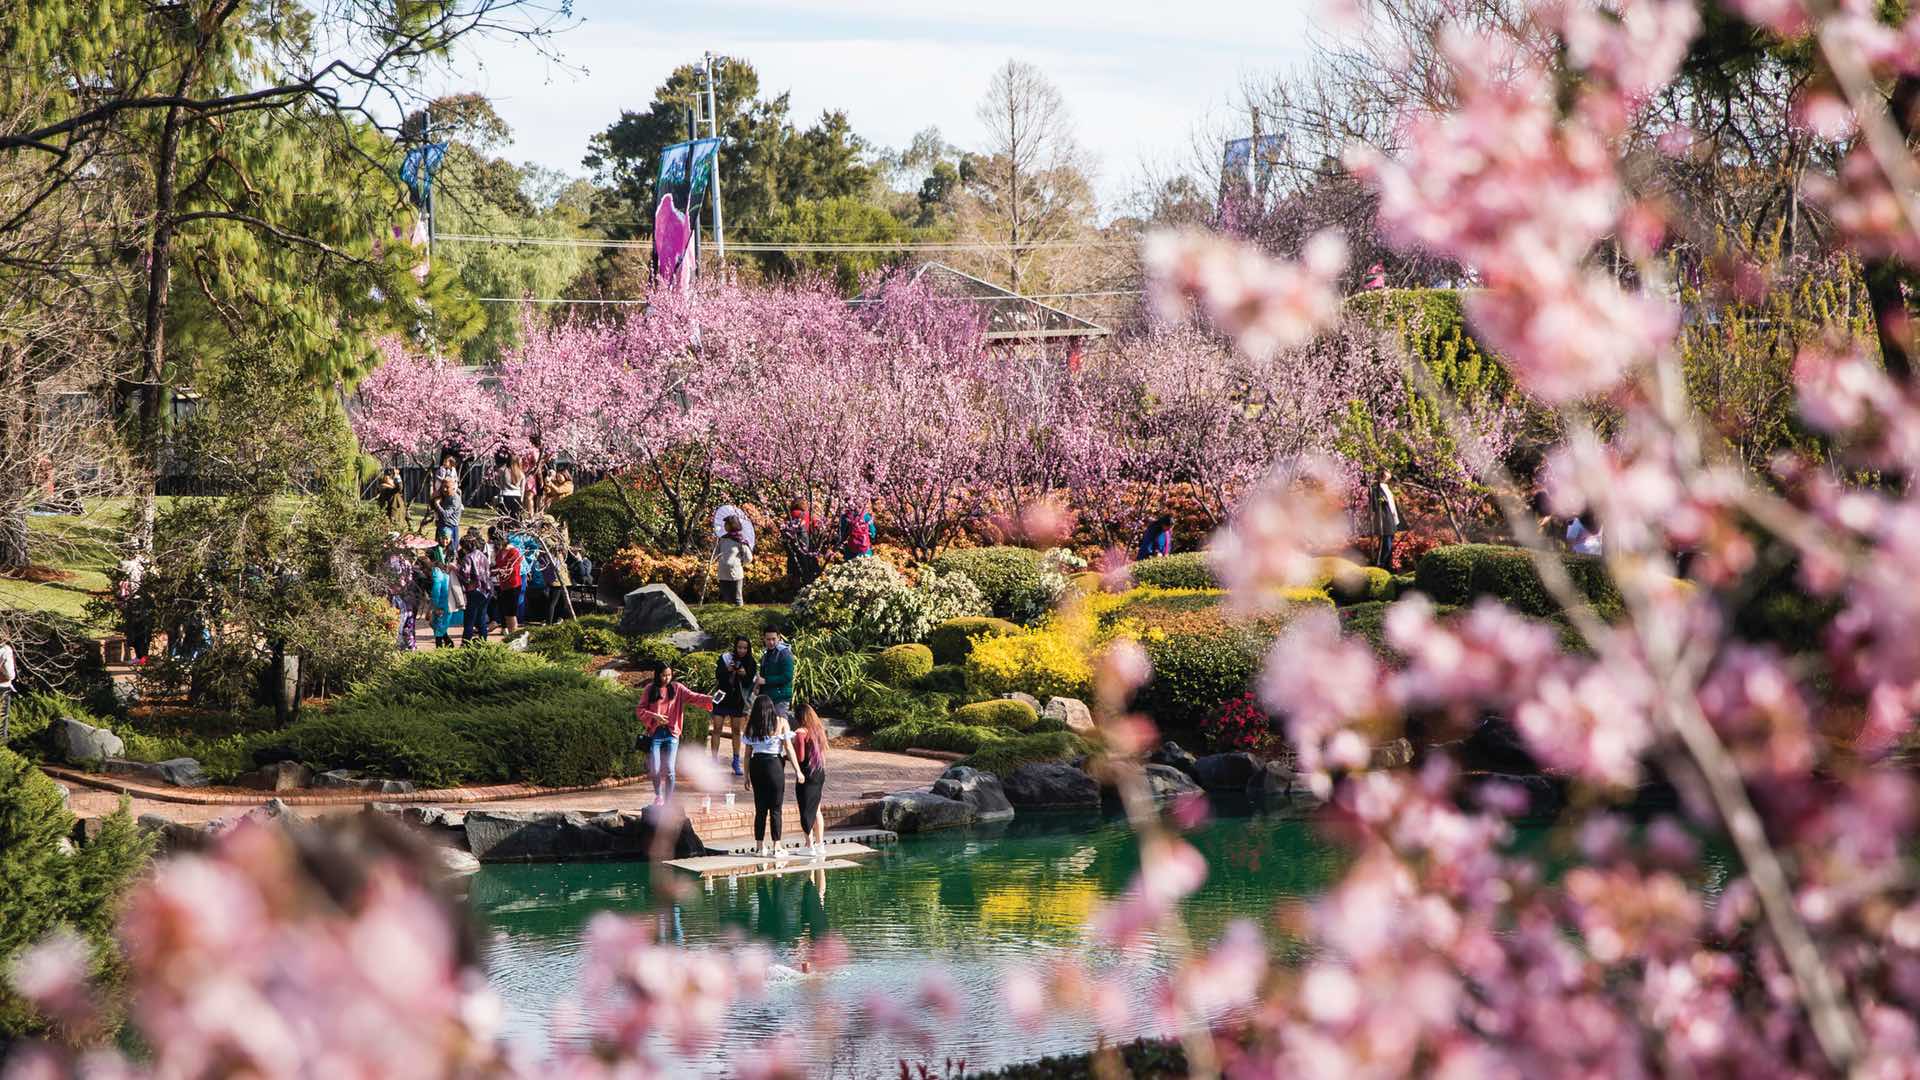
point(660, 712)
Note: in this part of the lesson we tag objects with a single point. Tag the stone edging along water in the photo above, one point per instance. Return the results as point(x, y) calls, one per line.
point(239, 797)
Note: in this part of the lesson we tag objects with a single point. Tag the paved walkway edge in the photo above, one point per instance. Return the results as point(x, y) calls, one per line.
point(347, 797)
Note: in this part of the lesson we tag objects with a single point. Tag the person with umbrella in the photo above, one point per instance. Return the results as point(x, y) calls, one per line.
point(732, 551)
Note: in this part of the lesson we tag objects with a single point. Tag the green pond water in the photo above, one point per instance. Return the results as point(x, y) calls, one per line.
point(969, 905)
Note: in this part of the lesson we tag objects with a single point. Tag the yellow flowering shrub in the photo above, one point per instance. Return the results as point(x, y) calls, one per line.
point(1046, 661)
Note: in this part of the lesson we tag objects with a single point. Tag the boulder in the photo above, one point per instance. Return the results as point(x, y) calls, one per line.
point(175, 772)
point(75, 743)
point(279, 776)
point(541, 835)
point(1226, 772)
point(1050, 784)
point(520, 643)
point(455, 862)
point(690, 640)
point(1393, 754)
point(173, 836)
point(611, 674)
point(1172, 753)
point(655, 609)
point(1070, 711)
point(1272, 783)
point(1168, 783)
point(347, 778)
point(1021, 695)
point(922, 811)
point(981, 792)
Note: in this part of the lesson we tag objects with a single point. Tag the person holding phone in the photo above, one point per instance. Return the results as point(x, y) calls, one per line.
point(733, 676)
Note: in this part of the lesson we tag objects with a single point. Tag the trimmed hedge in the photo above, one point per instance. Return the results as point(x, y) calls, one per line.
point(937, 735)
point(1461, 573)
point(943, 679)
point(1015, 580)
point(901, 665)
point(476, 714)
point(999, 713)
point(952, 640)
point(1004, 756)
point(1187, 570)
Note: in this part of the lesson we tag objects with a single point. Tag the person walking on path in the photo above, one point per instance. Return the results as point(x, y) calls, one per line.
point(810, 761)
point(391, 494)
point(661, 713)
point(1157, 540)
point(509, 581)
point(799, 534)
point(769, 748)
point(775, 680)
point(856, 533)
point(9, 672)
point(731, 554)
point(1385, 515)
point(513, 487)
point(475, 569)
point(403, 574)
point(447, 510)
point(441, 600)
point(733, 676)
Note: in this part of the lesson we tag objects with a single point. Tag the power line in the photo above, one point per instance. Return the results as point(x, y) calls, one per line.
point(968, 299)
point(558, 241)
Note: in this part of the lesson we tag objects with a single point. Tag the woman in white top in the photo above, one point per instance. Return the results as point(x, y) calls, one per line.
point(769, 747)
point(513, 486)
point(1584, 538)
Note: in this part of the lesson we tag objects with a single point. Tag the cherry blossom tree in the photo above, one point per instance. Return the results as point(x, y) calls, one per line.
point(414, 407)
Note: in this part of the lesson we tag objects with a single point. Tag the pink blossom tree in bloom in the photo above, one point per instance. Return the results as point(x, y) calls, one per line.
point(413, 407)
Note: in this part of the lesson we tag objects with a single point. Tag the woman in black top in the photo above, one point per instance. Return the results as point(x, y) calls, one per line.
point(733, 676)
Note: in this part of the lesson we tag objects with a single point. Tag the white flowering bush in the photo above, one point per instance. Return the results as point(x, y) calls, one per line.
point(866, 602)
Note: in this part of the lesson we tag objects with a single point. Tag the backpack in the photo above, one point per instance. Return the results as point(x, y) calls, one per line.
point(859, 534)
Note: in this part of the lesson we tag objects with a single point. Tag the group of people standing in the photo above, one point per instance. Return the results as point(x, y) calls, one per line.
point(752, 703)
point(523, 487)
point(498, 577)
point(808, 545)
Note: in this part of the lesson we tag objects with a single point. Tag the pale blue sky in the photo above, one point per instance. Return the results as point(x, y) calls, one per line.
point(1138, 76)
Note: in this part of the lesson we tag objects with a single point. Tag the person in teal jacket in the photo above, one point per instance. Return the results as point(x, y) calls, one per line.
point(775, 680)
point(440, 594)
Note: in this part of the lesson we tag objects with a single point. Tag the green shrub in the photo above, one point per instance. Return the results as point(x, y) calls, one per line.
point(1017, 582)
point(1046, 725)
point(481, 714)
point(697, 669)
point(1786, 617)
point(952, 640)
point(1363, 584)
point(43, 886)
point(1003, 756)
point(901, 665)
point(58, 655)
point(999, 713)
point(1187, 570)
point(569, 642)
point(726, 622)
point(1461, 573)
point(597, 521)
point(883, 707)
point(936, 735)
point(1402, 585)
point(31, 713)
point(644, 652)
point(943, 679)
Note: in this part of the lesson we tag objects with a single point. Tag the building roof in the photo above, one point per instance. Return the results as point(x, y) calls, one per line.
point(1009, 316)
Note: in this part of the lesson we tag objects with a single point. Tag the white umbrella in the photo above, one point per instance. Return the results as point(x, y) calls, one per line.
point(720, 517)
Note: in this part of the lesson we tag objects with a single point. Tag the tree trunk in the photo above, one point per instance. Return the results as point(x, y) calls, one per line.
point(153, 340)
point(1885, 276)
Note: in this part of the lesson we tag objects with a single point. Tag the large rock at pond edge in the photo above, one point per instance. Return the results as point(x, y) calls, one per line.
point(981, 792)
point(922, 811)
point(177, 772)
point(1167, 783)
point(347, 778)
point(279, 776)
point(76, 743)
point(1272, 783)
point(541, 835)
point(1050, 785)
point(1069, 711)
point(1226, 772)
point(1172, 753)
point(655, 609)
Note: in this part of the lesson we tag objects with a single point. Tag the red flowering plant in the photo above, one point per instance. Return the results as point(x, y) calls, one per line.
point(1242, 724)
